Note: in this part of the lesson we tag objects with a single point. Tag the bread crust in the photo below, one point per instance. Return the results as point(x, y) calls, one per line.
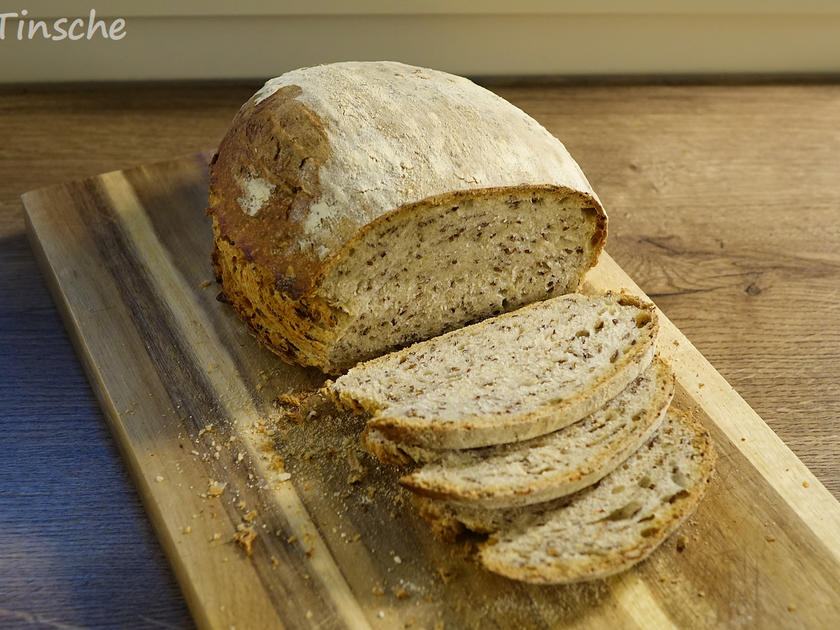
point(275, 244)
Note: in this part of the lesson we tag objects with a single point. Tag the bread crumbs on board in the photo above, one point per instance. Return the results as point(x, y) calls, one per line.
point(245, 537)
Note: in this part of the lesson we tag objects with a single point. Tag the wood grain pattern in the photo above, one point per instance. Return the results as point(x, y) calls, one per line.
point(186, 392)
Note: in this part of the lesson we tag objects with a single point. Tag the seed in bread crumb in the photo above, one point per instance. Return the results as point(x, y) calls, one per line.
point(805, 484)
point(245, 538)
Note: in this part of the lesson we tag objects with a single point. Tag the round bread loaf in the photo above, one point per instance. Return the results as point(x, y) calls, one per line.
point(358, 207)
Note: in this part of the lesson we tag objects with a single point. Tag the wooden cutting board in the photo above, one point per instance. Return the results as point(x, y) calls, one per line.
point(197, 409)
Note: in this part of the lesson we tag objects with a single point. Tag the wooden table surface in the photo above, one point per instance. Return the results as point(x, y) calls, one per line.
point(724, 206)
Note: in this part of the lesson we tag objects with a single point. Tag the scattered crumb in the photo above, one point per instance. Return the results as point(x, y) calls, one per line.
point(743, 439)
point(378, 591)
point(397, 560)
point(357, 471)
point(357, 538)
point(284, 476)
point(250, 516)
point(401, 593)
point(309, 614)
point(770, 539)
point(216, 488)
point(446, 574)
point(206, 284)
point(241, 505)
point(682, 541)
point(805, 484)
point(159, 478)
point(702, 385)
point(380, 614)
point(216, 537)
point(291, 539)
point(187, 530)
point(701, 594)
point(439, 625)
point(791, 607)
point(245, 538)
point(275, 561)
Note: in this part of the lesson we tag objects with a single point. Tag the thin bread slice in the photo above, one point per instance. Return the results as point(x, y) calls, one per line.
point(603, 529)
point(509, 378)
point(556, 464)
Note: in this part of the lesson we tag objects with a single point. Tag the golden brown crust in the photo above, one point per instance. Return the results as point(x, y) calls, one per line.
point(282, 142)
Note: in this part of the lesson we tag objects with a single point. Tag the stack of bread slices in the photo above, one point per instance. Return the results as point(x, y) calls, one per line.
point(548, 428)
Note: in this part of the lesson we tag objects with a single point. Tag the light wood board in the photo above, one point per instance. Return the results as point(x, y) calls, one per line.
point(188, 395)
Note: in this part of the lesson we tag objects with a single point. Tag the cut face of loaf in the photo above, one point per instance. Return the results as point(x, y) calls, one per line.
point(506, 379)
point(359, 207)
point(556, 464)
point(603, 529)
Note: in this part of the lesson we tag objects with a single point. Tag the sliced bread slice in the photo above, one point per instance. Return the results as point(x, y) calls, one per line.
point(603, 529)
point(556, 464)
point(509, 378)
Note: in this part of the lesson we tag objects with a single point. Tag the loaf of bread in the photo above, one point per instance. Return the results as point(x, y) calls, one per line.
point(553, 465)
point(359, 207)
point(508, 378)
point(603, 529)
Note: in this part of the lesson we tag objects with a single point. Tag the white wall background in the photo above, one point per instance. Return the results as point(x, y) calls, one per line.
point(210, 39)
